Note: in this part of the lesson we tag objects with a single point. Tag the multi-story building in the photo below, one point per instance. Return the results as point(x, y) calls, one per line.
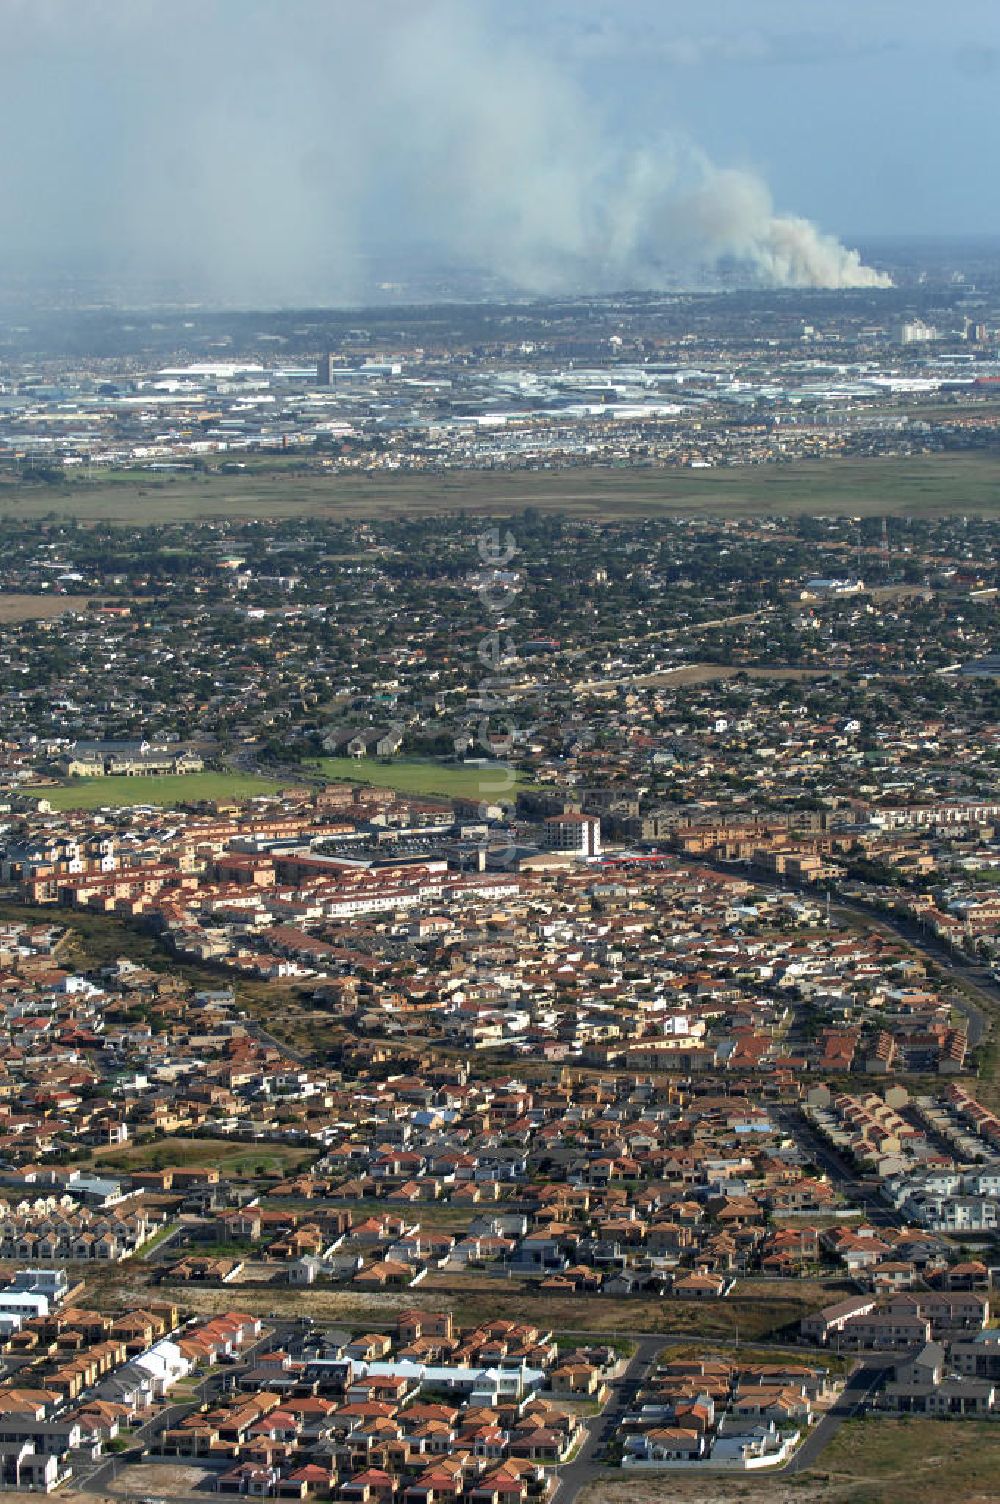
point(573, 832)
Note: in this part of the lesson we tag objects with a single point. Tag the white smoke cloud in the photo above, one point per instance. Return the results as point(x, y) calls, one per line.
point(257, 152)
point(733, 215)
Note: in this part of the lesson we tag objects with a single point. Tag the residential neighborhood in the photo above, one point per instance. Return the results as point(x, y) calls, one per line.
point(491, 1012)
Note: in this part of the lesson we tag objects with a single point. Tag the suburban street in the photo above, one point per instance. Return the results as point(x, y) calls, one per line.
point(842, 1174)
point(258, 1032)
point(96, 1478)
point(857, 1390)
point(586, 1466)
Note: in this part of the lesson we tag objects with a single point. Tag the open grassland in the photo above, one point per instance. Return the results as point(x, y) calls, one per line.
point(14, 607)
point(923, 485)
point(875, 1461)
point(171, 789)
point(420, 775)
point(226, 1155)
point(475, 1298)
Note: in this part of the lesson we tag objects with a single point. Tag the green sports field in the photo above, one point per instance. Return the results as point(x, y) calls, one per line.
point(180, 788)
point(418, 775)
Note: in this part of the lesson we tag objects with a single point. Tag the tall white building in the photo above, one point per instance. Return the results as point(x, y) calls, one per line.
point(579, 834)
point(916, 332)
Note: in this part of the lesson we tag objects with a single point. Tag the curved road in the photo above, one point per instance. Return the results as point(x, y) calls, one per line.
point(976, 978)
point(587, 1467)
point(855, 1395)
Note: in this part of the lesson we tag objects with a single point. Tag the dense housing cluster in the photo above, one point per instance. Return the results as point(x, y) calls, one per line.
point(492, 1004)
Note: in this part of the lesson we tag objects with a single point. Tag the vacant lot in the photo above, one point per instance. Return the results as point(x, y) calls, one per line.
point(418, 775)
point(476, 1297)
point(180, 788)
point(36, 607)
point(222, 1154)
point(925, 484)
point(879, 1461)
point(161, 1480)
point(706, 673)
point(694, 1348)
point(284, 1301)
point(613, 1319)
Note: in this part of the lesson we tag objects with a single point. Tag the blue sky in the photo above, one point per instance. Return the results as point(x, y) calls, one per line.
point(872, 116)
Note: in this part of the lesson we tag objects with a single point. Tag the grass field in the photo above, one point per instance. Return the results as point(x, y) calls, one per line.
point(873, 1461)
point(223, 1154)
point(179, 788)
point(476, 1296)
point(921, 485)
point(418, 775)
point(14, 607)
point(612, 1318)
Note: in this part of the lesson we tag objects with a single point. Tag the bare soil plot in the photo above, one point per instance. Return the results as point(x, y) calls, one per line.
point(14, 607)
point(161, 1480)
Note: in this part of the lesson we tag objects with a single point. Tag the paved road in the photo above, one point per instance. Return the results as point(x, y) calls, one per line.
point(977, 978)
point(664, 673)
point(97, 1479)
point(258, 1032)
point(164, 1252)
point(856, 1393)
point(842, 1174)
point(586, 1466)
point(247, 761)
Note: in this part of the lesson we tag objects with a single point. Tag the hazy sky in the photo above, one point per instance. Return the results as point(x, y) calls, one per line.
point(259, 149)
point(871, 116)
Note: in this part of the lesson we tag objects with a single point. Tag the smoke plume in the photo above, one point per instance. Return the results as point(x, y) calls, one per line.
point(259, 152)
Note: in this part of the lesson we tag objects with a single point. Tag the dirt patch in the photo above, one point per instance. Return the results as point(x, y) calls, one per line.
point(15, 607)
point(288, 1301)
point(704, 673)
point(162, 1480)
